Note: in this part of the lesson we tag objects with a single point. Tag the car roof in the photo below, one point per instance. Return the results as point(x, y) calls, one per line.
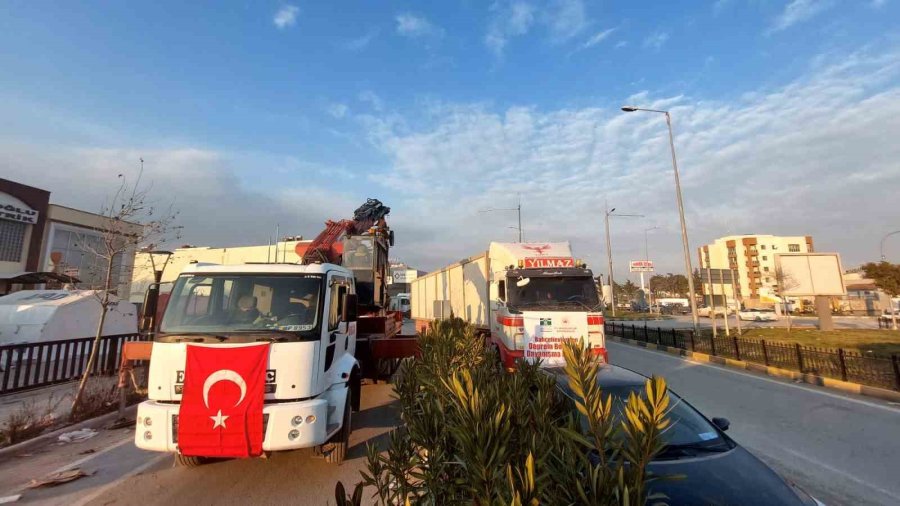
point(608, 376)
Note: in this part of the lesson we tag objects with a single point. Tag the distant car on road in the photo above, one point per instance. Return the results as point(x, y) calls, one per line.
point(758, 315)
point(706, 311)
point(711, 467)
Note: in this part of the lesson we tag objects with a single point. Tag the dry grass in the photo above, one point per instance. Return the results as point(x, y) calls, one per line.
point(29, 420)
point(883, 342)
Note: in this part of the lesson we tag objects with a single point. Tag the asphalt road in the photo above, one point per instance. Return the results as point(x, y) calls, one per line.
point(127, 475)
point(843, 449)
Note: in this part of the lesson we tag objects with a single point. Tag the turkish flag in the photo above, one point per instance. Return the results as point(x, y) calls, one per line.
point(221, 412)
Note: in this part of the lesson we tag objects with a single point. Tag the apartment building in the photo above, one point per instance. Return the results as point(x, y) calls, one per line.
point(752, 259)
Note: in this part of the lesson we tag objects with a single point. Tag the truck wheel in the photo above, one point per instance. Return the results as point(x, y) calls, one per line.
point(340, 441)
point(186, 461)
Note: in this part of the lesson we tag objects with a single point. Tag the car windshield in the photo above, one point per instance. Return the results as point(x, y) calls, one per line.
point(579, 291)
point(243, 303)
point(688, 427)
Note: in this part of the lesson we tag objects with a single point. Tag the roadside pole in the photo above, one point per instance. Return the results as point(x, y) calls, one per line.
point(609, 276)
point(737, 305)
point(724, 303)
point(712, 298)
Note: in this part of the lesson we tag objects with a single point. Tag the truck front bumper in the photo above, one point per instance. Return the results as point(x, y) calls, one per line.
point(157, 425)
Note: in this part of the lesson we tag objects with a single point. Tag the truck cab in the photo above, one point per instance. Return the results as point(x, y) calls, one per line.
point(308, 315)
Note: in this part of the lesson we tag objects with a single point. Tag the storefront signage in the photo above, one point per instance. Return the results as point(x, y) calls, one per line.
point(14, 210)
point(545, 334)
point(404, 276)
point(552, 262)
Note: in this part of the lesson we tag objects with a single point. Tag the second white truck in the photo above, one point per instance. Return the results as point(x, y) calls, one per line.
point(525, 297)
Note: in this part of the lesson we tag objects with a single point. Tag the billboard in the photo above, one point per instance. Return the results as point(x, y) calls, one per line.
point(404, 276)
point(640, 266)
point(810, 274)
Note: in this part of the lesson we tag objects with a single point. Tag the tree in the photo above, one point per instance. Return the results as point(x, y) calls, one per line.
point(131, 220)
point(785, 283)
point(887, 277)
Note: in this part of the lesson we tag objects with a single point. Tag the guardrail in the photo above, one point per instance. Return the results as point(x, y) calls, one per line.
point(32, 365)
point(875, 370)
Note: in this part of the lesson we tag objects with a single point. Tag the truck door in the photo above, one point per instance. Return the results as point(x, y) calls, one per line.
point(335, 341)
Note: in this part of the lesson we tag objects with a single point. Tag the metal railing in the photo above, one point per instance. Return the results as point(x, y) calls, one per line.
point(867, 369)
point(32, 365)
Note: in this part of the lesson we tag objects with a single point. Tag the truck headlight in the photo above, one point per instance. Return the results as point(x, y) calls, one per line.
point(297, 420)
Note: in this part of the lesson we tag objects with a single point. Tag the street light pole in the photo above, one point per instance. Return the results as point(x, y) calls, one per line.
point(517, 209)
point(646, 259)
point(684, 235)
point(883, 258)
point(612, 287)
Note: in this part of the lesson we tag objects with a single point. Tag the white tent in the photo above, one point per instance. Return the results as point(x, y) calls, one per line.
point(31, 316)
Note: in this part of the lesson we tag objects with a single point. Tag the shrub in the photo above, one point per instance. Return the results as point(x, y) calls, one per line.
point(473, 433)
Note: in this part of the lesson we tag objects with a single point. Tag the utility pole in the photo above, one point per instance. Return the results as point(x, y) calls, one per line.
point(517, 209)
point(612, 287)
point(883, 258)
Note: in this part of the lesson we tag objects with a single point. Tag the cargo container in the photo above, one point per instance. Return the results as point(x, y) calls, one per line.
point(525, 298)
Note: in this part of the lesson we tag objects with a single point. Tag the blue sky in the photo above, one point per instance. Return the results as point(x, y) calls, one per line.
point(784, 115)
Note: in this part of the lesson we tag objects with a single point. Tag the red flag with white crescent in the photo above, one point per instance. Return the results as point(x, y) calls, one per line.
point(221, 413)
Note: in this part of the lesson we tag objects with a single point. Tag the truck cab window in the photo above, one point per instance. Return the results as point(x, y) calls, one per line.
point(501, 290)
point(336, 308)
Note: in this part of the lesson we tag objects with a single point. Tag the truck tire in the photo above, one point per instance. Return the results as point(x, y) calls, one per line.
point(340, 441)
point(186, 461)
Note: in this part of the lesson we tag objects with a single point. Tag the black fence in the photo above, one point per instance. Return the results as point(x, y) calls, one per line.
point(868, 369)
point(33, 365)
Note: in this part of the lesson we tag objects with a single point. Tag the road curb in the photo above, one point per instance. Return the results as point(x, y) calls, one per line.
point(812, 379)
point(93, 423)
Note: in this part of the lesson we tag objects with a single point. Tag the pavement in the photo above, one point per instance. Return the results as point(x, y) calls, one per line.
point(841, 448)
point(124, 474)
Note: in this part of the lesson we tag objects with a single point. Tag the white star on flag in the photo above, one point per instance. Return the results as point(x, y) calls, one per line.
point(219, 420)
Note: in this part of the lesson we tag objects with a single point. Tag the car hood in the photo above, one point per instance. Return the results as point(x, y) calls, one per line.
point(734, 477)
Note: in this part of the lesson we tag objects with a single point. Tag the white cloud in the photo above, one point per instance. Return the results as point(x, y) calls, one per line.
point(621, 44)
point(877, 4)
point(656, 40)
point(512, 21)
point(338, 110)
point(360, 43)
point(814, 156)
point(412, 25)
point(286, 16)
point(598, 38)
point(565, 18)
point(371, 98)
point(797, 11)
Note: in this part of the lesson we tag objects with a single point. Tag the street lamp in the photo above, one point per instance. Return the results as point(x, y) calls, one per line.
point(883, 258)
point(151, 298)
point(684, 236)
point(612, 286)
point(517, 209)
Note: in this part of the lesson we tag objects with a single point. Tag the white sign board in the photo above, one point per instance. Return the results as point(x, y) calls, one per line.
point(14, 209)
point(404, 276)
point(545, 333)
point(810, 274)
point(640, 266)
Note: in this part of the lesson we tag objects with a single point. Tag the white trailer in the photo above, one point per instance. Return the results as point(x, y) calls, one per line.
point(525, 297)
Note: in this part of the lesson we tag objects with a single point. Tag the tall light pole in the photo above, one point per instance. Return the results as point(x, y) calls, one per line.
point(517, 209)
point(684, 236)
point(646, 256)
point(612, 287)
point(883, 258)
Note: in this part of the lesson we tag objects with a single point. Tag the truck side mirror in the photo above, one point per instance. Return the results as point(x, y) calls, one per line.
point(350, 311)
point(391, 238)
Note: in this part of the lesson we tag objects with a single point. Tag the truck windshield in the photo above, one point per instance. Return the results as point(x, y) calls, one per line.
point(231, 304)
point(553, 292)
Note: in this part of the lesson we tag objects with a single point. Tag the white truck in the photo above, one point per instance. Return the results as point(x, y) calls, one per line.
point(526, 298)
point(323, 320)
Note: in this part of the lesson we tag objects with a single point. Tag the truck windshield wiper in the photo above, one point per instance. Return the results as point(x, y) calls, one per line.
point(284, 333)
point(691, 449)
point(177, 335)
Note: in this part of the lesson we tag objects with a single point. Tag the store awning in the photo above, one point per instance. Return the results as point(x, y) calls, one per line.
point(36, 278)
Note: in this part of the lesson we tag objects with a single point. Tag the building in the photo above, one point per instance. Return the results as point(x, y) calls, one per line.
point(402, 277)
point(44, 245)
point(752, 259)
point(281, 252)
point(863, 297)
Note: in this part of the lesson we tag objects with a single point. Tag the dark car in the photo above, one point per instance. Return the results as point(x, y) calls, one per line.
point(712, 468)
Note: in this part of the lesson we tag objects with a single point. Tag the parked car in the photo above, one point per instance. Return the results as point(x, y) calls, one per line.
point(757, 315)
point(705, 311)
point(711, 467)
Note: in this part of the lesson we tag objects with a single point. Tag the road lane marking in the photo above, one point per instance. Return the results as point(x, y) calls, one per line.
point(102, 490)
point(763, 378)
point(93, 455)
point(859, 481)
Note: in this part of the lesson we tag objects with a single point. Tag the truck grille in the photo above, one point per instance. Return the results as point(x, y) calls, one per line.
point(175, 426)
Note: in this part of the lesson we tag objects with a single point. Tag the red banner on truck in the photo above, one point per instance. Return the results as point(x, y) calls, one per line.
point(552, 262)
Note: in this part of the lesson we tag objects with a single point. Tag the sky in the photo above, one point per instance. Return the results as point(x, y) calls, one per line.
point(248, 115)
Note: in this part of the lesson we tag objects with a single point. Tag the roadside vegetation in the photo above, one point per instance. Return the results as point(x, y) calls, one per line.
point(634, 316)
point(474, 434)
point(882, 342)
